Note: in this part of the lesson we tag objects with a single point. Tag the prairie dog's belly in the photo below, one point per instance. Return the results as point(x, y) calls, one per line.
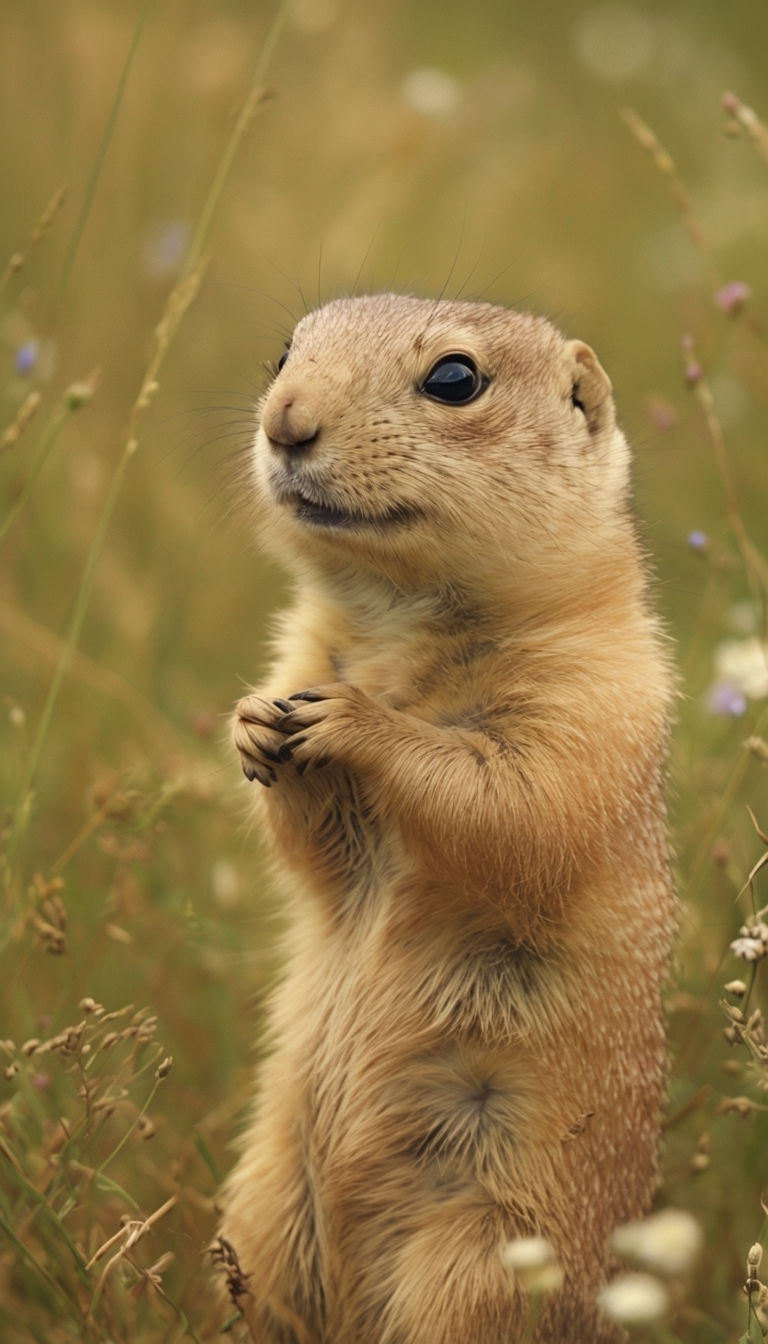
point(430, 1047)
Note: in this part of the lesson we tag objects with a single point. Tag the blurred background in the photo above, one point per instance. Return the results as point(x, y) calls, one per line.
point(574, 160)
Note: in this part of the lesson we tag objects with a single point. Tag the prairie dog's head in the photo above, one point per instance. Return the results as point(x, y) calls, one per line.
point(406, 434)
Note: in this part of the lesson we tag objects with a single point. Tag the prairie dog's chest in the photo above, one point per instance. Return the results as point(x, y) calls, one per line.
point(425, 671)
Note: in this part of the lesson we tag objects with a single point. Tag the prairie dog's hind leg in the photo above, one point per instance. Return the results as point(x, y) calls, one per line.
point(270, 1226)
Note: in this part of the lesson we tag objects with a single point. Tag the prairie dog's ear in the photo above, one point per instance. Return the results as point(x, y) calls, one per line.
point(590, 387)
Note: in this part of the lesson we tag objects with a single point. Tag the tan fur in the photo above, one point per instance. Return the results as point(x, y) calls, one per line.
point(468, 822)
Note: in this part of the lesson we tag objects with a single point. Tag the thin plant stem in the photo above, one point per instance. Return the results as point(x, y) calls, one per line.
point(747, 118)
point(101, 154)
point(130, 1128)
point(754, 565)
point(255, 97)
point(666, 166)
point(18, 260)
point(71, 639)
point(48, 442)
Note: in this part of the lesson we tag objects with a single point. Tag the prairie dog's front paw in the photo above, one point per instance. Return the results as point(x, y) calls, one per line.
point(321, 725)
point(258, 736)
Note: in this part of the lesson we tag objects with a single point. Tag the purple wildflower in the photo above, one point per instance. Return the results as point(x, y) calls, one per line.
point(732, 297)
point(164, 248)
point(724, 698)
point(693, 369)
point(663, 416)
point(26, 357)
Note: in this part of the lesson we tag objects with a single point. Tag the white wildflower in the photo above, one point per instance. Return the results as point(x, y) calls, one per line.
point(667, 1241)
point(532, 1261)
point(433, 93)
point(752, 943)
point(751, 949)
point(634, 1299)
point(527, 1253)
point(743, 664)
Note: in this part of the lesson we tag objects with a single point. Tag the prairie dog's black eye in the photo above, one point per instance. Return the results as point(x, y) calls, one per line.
point(281, 360)
point(454, 379)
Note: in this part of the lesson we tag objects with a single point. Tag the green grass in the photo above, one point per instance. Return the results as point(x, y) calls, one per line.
point(218, 181)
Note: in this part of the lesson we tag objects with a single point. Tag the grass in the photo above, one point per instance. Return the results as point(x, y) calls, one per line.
point(206, 166)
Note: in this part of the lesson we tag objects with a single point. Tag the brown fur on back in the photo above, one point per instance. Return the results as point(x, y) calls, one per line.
point(467, 818)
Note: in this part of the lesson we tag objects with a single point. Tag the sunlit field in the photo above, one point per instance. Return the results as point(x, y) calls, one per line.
point(180, 180)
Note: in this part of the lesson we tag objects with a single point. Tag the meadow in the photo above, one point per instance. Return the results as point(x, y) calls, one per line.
point(180, 180)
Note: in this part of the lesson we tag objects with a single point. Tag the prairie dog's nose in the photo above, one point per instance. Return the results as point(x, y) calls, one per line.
point(289, 422)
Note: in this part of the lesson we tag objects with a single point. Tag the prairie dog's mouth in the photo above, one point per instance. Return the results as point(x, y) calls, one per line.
point(323, 515)
point(319, 512)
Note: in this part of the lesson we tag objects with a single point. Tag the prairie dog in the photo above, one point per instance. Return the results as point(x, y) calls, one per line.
point(462, 743)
